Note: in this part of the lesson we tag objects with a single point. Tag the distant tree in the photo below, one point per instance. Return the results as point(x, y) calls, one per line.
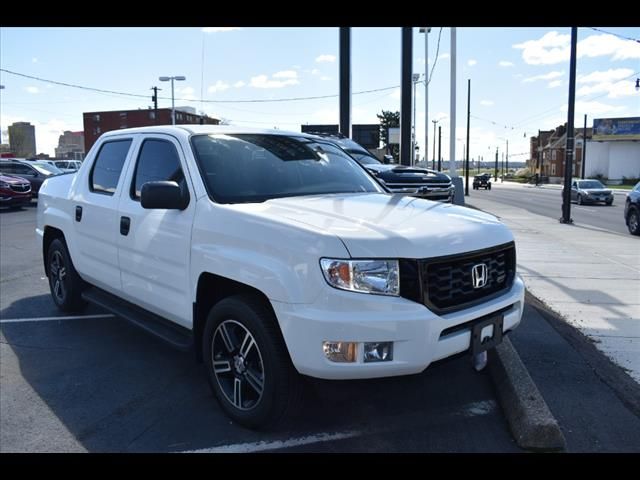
point(389, 119)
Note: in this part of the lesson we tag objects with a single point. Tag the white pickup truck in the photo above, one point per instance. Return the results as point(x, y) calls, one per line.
point(273, 254)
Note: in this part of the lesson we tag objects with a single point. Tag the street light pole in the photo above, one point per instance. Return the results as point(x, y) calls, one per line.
point(173, 106)
point(466, 177)
point(426, 31)
point(434, 144)
point(568, 162)
point(415, 78)
point(1, 88)
point(495, 174)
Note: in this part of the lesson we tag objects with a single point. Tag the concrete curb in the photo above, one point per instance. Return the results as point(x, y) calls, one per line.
point(532, 424)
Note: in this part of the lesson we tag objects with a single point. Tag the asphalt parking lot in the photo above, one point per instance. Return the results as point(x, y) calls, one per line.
point(95, 383)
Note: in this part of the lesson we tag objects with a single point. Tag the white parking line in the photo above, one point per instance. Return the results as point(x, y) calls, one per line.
point(292, 442)
point(49, 319)
point(473, 409)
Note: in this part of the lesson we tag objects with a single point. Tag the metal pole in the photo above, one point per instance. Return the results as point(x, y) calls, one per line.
point(568, 162)
point(345, 81)
point(173, 106)
point(413, 130)
point(466, 178)
point(584, 146)
point(434, 144)
point(405, 95)
point(452, 108)
point(439, 148)
point(507, 157)
point(426, 93)
point(2, 88)
point(495, 173)
point(502, 174)
point(539, 159)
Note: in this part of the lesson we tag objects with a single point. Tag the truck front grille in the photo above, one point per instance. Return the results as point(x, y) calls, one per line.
point(445, 284)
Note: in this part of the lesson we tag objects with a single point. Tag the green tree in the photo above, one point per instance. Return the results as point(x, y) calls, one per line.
point(389, 119)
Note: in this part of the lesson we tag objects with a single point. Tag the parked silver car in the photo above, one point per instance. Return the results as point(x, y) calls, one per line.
point(590, 191)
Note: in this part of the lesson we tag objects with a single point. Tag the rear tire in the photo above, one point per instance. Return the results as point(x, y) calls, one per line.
point(633, 221)
point(65, 283)
point(253, 379)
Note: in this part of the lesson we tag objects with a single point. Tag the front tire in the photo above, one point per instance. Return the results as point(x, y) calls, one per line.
point(633, 221)
point(64, 282)
point(247, 363)
point(580, 201)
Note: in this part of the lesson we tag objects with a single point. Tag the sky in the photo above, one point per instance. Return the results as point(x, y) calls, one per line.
point(519, 77)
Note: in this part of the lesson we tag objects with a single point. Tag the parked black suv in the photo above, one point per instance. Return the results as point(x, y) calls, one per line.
point(413, 181)
point(632, 210)
point(482, 181)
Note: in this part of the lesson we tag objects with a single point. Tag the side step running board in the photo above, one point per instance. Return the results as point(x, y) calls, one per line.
point(175, 335)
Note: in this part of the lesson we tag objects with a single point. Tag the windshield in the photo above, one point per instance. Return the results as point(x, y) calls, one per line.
point(590, 184)
point(257, 167)
point(363, 158)
point(46, 169)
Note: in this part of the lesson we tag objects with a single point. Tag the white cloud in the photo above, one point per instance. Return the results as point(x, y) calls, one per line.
point(605, 45)
point(34, 60)
point(219, 86)
point(325, 58)
point(395, 94)
point(219, 29)
point(263, 81)
point(286, 74)
point(444, 56)
point(553, 47)
point(546, 76)
point(185, 93)
point(594, 108)
point(554, 84)
point(486, 103)
point(315, 71)
point(505, 63)
point(324, 78)
point(239, 84)
point(608, 76)
point(472, 62)
point(622, 88)
point(32, 89)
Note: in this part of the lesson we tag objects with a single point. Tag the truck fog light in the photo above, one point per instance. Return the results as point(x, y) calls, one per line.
point(378, 352)
point(340, 351)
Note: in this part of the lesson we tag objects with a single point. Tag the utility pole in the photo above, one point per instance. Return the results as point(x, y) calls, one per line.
point(414, 136)
point(345, 81)
point(584, 147)
point(495, 173)
point(452, 108)
point(466, 178)
point(502, 176)
point(434, 144)
point(405, 95)
point(154, 99)
point(507, 157)
point(439, 148)
point(479, 162)
point(568, 161)
point(426, 31)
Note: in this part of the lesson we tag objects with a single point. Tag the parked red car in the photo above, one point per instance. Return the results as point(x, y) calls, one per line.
point(14, 191)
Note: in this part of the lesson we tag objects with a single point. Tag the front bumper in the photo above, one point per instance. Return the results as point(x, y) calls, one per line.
point(415, 331)
point(11, 199)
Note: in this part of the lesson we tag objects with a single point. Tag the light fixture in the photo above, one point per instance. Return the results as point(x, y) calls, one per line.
point(637, 84)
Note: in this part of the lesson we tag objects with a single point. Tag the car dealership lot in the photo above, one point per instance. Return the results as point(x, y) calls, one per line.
point(95, 383)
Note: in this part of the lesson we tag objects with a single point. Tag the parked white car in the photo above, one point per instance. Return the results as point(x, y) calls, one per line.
point(68, 165)
point(273, 254)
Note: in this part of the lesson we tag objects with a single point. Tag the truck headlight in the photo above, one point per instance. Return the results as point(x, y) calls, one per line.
point(366, 276)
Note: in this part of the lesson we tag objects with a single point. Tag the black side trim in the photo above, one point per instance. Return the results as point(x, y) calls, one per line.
point(175, 335)
point(471, 323)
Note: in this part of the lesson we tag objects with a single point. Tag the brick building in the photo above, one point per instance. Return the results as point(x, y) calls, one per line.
point(96, 123)
point(548, 153)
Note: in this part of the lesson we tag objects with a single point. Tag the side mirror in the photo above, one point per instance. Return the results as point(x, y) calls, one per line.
point(164, 195)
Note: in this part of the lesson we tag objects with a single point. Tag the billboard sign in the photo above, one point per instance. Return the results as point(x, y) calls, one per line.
point(616, 128)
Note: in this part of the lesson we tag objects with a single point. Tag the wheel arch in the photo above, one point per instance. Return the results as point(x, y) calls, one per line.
point(211, 289)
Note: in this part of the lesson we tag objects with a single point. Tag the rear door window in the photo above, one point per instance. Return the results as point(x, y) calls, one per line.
point(107, 168)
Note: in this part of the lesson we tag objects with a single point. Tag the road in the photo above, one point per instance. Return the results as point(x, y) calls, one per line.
point(547, 201)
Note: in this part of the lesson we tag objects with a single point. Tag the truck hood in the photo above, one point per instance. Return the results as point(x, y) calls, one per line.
point(393, 226)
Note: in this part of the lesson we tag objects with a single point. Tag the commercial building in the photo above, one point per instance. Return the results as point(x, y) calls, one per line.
point(614, 151)
point(96, 123)
point(70, 146)
point(22, 139)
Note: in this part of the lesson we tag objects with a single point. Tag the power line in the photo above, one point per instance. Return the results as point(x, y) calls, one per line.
point(273, 100)
point(615, 34)
point(436, 59)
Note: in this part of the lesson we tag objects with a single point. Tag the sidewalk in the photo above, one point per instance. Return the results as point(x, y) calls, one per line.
point(589, 276)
